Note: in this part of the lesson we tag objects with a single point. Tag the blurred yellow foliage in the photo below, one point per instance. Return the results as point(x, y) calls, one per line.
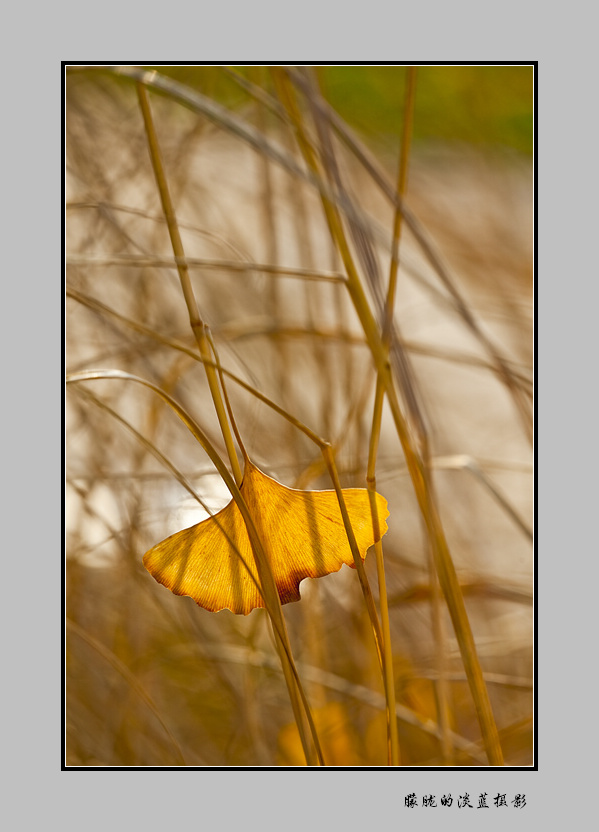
point(338, 738)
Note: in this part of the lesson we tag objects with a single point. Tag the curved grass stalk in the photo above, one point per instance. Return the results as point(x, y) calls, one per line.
point(268, 589)
point(149, 446)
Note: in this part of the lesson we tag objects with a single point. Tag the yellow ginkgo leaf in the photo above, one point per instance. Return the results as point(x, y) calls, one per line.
point(302, 533)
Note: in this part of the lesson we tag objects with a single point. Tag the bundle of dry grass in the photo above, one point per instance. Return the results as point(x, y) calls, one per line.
point(281, 233)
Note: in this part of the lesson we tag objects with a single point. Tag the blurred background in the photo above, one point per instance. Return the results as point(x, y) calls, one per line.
point(151, 678)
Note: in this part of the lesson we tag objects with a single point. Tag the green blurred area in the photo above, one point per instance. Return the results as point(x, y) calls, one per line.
point(487, 106)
